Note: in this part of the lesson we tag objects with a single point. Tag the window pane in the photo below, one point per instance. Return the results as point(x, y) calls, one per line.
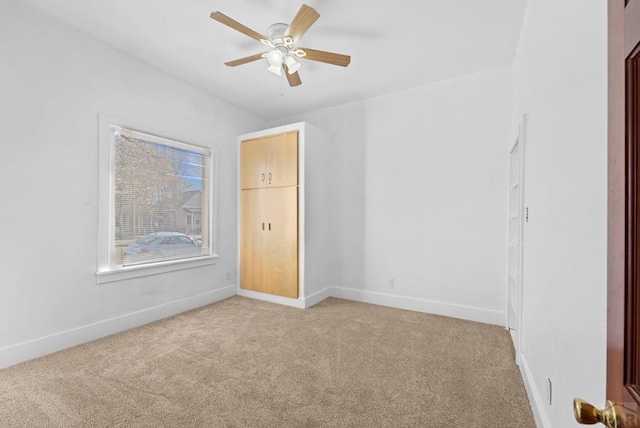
point(158, 189)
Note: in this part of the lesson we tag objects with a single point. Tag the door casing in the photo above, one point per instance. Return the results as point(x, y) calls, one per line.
point(516, 238)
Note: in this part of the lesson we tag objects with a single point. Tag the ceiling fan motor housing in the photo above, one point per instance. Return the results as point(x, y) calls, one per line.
point(275, 32)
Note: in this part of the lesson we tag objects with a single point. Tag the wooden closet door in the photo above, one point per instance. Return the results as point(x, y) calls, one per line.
point(282, 241)
point(253, 163)
point(282, 160)
point(253, 229)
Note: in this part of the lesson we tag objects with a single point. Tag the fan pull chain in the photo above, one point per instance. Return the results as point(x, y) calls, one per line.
point(282, 84)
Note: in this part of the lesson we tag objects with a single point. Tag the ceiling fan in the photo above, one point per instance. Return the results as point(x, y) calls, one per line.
point(282, 41)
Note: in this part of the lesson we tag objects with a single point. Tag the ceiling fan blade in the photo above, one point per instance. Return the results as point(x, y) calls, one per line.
point(244, 60)
point(328, 57)
point(224, 19)
point(294, 79)
point(303, 20)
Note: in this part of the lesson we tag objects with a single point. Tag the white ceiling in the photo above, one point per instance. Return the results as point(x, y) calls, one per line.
point(393, 45)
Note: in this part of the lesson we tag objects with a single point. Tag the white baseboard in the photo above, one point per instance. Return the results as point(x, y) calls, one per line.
point(421, 305)
point(41, 346)
point(300, 302)
point(537, 402)
point(287, 301)
point(385, 299)
point(318, 297)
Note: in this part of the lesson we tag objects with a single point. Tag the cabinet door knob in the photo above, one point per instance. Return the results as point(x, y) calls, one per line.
point(269, 226)
point(263, 176)
point(269, 177)
point(262, 225)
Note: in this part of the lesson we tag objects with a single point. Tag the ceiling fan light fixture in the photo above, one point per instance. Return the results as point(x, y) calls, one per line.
point(292, 64)
point(275, 58)
point(275, 70)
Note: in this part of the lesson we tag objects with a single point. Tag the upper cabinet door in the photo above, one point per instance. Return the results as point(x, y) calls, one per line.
point(253, 164)
point(282, 160)
point(269, 161)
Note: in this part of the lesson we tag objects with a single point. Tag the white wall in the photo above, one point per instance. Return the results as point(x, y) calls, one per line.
point(560, 81)
point(419, 194)
point(53, 84)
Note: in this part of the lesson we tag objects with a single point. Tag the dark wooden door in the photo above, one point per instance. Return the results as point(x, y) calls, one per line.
point(623, 356)
point(622, 409)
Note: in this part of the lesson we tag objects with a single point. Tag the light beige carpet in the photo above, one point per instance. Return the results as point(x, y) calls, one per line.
point(248, 363)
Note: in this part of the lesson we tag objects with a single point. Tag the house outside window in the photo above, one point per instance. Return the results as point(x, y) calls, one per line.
point(157, 192)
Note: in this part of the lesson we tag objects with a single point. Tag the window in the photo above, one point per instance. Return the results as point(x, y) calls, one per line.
point(152, 187)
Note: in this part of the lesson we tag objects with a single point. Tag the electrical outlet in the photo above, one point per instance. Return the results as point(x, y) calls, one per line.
point(228, 276)
point(392, 283)
point(549, 391)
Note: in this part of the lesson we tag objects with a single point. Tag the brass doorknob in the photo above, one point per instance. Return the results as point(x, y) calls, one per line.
point(586, 414)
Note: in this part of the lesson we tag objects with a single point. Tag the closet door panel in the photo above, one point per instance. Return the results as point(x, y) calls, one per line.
point(253, 163)
point(282, 241)
point(252, 240)
point(282, 160)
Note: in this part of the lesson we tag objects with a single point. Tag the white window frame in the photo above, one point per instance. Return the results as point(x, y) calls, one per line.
point(107, 271)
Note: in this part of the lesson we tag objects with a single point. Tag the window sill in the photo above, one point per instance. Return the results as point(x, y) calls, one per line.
point(123, 273)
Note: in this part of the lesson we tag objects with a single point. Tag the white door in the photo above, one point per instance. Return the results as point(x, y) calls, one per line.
point(515, 242)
